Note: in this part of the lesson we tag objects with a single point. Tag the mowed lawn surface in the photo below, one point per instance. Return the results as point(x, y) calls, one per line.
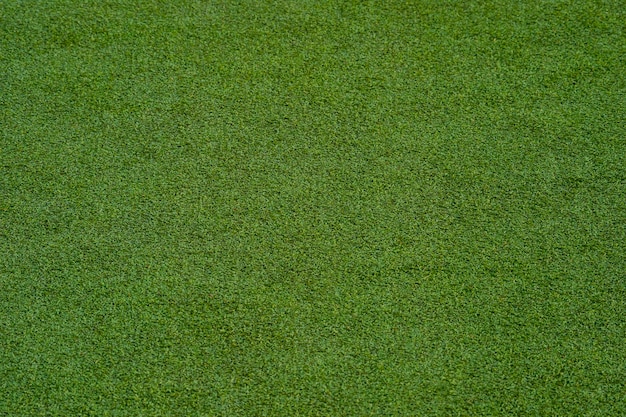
point(332, 208)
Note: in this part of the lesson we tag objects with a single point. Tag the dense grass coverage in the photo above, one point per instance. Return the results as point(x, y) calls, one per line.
point(332, 208)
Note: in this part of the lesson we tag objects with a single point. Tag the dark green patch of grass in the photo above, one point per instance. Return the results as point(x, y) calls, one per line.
point(312, 208)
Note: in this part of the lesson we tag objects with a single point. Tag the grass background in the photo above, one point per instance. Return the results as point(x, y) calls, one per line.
point(246, 208)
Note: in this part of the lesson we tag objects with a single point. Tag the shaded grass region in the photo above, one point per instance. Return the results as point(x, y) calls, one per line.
point(333, 208)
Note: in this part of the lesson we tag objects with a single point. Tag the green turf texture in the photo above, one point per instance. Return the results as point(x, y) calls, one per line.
point(315, 208)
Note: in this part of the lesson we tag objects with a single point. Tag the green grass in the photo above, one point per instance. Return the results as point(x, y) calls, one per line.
point(333, 208)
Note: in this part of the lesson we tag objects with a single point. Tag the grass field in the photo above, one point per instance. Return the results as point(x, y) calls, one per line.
point(331, 208)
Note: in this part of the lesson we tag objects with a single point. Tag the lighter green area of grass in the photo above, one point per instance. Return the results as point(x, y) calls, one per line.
point(333, 208)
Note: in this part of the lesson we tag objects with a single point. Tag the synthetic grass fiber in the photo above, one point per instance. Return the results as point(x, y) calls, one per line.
point(331, 208)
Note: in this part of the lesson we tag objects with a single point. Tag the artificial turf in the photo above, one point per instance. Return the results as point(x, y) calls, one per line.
point(334, 208)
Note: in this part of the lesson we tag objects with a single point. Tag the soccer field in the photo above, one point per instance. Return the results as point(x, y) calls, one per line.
point(312, 208)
